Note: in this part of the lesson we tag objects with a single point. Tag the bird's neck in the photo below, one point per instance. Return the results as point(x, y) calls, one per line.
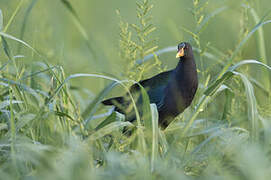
point(186, 66)
point(186, 73)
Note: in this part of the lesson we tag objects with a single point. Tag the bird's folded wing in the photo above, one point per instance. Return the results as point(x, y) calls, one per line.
point(154, 86)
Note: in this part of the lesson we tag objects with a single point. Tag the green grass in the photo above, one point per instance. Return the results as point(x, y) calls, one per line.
point(60, 59)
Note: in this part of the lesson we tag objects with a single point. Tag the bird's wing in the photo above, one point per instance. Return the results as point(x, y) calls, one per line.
point(158, 80)
point(155, 86)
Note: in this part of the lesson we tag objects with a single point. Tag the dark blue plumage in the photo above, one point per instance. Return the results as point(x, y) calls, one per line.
point(172, 91)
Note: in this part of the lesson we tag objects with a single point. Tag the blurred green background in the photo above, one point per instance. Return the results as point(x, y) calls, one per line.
point(50, 30)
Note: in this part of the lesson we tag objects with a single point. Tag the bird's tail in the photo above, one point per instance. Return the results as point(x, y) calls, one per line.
point(113, 101)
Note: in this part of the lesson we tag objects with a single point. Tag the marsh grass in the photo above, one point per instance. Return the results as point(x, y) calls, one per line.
point(49, 130)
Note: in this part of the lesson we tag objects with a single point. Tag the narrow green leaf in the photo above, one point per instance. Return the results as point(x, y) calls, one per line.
point(249, 61)
point(174, 49)
point(27, 13)
point(151, 50)
point(6, 48)
point(12, 127)
point(62, 114)
point(68, 5)
point(1, 20)
point(146, 109)
point(136, 27)
point(241, 44)
point(215, 86)
point(209, 17)
point(115, 116)
point(163, 142)
point(98, 98)
point(13, 16)
point(229, 95)
point(217, 133)
point(253, 115)
point(39, 72)
point(6, 103)
point(92, 107)
point(228, 74)
point(114, 126)
point(18, 40)
point(155, 135)
point(79, 25)
point(23, 86)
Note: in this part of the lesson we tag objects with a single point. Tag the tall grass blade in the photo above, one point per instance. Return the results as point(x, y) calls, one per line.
point(228, 74)
point(6, 49)
point(252, 107)
point(6, 103)
point(174, 49)
point(208, 18)
point(26, 16)
point(12, 130)
point(18, 40)
point(163, 142)
point(234, 54)
point(92, 107)
point(114, 126)
point(103, 77)
point(146, 110)
point(13, 15)
point(155, 135)
point(261, 39)
point(1, 20)
point(115, 116)
point(79, 25)
point(261, 45)
point(22, 86)
point(209, 92)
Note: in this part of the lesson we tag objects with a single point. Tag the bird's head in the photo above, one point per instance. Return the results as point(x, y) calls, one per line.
point(184, 50)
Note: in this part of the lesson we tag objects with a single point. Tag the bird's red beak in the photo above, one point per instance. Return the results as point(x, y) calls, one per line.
point(180, 53)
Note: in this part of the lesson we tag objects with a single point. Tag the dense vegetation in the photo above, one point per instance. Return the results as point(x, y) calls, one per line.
point(60, 59)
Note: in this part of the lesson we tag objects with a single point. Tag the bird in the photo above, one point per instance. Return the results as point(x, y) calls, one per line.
point(172, 91)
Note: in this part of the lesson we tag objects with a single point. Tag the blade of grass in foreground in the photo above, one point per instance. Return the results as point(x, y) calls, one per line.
point(215, 134)
point(114, 116)
point(261, 45)
point(140, 132)
point(174, 49)
point(155, 135)
point(108, 129)
point(103, 77)
point(213, 87)
point(1, 20)
point(253, 115)
point(27, 13)
point(11, 18)
point(12, 130)
point(20, 41)
point(8, 53)
point(92, 107)
point(22, 86)
point(242, 43)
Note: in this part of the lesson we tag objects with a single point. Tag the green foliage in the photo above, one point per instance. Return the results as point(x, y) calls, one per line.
point(134, 47)
point(53, 127)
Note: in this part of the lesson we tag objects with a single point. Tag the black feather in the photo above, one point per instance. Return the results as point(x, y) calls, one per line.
point(172, 91)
